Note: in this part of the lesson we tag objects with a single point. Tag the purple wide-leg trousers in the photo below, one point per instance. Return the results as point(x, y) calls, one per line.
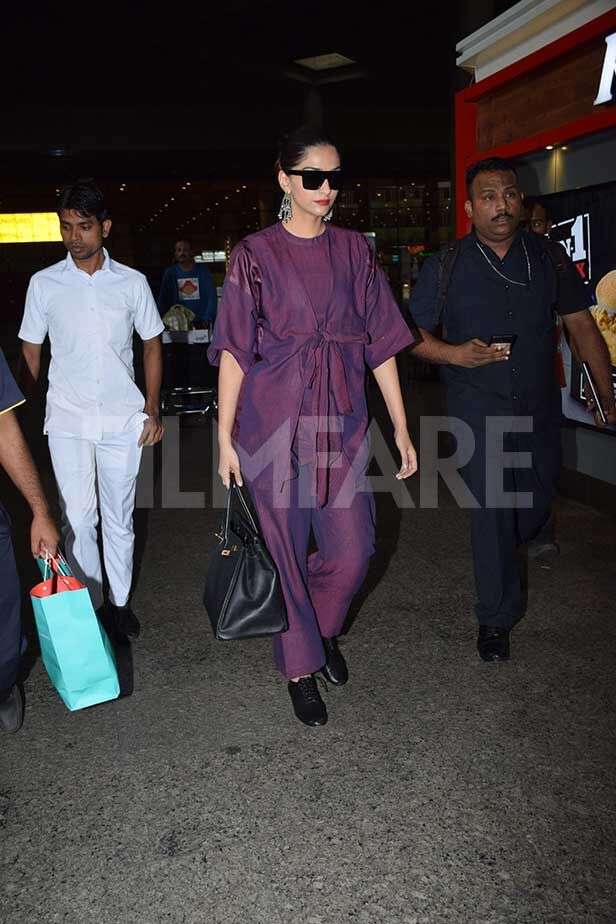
point(318, 586)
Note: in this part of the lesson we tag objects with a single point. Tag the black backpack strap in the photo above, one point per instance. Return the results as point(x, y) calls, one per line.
point(555, 252)
point(559, 260)
point(446, 263)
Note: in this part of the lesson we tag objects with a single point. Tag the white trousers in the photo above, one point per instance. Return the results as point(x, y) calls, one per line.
point(110, 465)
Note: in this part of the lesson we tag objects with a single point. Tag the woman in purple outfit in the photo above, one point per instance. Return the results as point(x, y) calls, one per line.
point(305, 307)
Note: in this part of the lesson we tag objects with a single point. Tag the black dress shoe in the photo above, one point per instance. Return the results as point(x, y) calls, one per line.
point(122, 651)
point(493, 643)
point(125, 622)
point(334, 670)
point(307, 703)
point(12, 712)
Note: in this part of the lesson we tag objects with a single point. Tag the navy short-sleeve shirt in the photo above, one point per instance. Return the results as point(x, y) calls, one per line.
point(565, 288)
point(10, 395)
point(488, 297)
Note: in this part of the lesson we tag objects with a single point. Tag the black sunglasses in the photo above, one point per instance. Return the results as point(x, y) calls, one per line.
point(314, 179)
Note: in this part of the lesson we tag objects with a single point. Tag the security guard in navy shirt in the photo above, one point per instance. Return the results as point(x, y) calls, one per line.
point(503, 284)
point(15, 458)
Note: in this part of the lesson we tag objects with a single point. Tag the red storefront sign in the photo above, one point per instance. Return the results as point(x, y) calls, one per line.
point(559, 93)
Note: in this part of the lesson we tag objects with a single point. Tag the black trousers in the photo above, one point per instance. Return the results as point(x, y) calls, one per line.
point(497, 529)
point(10, 608)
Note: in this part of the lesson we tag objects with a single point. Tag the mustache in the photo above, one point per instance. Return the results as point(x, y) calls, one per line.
point(502, 215)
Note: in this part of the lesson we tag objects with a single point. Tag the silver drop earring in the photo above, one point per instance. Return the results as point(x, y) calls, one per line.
point(286, 208)
point(328, 217)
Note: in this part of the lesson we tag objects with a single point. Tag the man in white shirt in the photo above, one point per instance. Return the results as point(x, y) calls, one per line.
point(96, 418)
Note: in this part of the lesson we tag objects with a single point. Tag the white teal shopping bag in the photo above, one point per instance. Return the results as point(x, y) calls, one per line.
point(74, 646)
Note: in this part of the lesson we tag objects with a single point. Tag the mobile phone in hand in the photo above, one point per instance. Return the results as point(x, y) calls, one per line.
point(589, 383)
point(502, 341)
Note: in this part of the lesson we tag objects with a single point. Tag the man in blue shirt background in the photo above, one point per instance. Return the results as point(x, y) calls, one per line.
point(190, 284)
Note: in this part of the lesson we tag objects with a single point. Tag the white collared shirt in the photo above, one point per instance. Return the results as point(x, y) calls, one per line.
point(90, 322)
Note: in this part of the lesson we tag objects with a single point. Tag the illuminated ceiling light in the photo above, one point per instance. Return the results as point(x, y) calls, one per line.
point(325, 62)
point(187, 183)
point(563, 147)
point(549, 147)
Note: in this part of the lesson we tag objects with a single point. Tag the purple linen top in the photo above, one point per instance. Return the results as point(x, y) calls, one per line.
point(312, 261)
point(267, 322)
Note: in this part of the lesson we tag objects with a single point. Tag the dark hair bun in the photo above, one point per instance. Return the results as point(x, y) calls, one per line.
point(294, 144)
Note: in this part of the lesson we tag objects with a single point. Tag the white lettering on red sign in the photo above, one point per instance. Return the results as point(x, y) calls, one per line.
point(608, 73)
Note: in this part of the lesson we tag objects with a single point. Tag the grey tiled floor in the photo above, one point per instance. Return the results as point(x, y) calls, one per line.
point(442, 790)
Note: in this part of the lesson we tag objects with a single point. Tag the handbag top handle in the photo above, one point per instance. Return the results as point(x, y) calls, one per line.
point(235, 490)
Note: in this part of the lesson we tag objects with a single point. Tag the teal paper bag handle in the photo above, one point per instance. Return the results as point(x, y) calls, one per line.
point(46, 565)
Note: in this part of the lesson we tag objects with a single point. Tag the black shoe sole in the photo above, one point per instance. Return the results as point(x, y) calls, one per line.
point(311, 724)
point(333, 680)
point(493, 658)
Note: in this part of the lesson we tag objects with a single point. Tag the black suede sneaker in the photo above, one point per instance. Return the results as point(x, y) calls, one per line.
point(307, 703)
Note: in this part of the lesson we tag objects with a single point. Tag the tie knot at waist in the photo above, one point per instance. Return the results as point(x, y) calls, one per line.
point(324, 370)
point(322, 361)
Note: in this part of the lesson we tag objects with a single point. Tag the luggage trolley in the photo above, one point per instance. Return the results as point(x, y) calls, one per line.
point(190, 383)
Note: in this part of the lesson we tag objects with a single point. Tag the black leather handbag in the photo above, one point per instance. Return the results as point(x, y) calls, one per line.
point(242, 593)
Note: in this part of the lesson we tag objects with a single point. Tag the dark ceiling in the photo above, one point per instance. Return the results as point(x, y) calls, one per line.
point(153, 97)
point(134, 53)
point(204, 89)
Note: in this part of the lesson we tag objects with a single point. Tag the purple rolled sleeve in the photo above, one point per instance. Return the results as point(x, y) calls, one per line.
point(386, 328)
point(235, 329)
